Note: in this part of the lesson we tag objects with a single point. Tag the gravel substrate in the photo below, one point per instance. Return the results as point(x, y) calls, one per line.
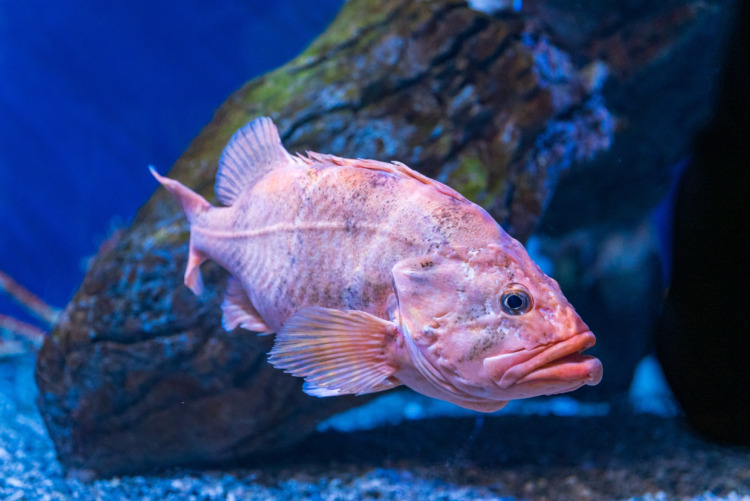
point(622, 455)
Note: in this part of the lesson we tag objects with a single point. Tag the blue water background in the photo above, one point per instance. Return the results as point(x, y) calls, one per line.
point(93, 92)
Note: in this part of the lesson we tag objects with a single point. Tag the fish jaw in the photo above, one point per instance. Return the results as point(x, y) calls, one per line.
point(546, 369)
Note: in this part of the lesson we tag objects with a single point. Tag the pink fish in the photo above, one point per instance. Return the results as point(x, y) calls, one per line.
point(373, 275)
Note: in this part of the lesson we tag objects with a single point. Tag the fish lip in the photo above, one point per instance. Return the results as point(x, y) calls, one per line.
point(530, 365)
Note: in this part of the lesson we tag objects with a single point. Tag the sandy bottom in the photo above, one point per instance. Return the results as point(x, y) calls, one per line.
point(621, 455)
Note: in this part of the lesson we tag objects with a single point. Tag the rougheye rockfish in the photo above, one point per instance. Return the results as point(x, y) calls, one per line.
point(373, 276)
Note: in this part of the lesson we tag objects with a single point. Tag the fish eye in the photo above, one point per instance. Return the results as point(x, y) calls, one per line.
point(516, 301)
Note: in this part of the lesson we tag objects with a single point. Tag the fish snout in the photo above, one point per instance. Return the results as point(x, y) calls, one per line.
point(557, 365)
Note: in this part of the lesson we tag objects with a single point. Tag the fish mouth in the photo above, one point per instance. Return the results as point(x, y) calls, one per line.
point(560, 364)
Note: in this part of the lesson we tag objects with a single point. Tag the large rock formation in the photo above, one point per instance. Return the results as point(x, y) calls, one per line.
point(139, 373)
point(702, 341)
point(662, 59)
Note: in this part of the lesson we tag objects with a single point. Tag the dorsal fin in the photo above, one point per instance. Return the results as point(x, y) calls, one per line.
point(253, 151)
point(396, 168)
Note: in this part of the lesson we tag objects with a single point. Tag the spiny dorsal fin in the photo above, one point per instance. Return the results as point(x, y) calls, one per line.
point(396, 168)
point(253, 151)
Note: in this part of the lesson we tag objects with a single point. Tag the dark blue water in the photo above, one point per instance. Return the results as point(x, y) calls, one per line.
point(92, 92)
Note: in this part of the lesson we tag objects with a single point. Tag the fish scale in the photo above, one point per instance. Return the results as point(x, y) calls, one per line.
point(348, 266)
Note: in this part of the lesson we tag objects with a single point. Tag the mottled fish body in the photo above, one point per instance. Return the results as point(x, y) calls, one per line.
point(373, 275)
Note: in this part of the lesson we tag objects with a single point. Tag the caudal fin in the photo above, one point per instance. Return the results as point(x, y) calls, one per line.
point(193, 204)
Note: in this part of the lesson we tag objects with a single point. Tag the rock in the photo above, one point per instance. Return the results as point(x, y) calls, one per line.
point(138, 373)
point(477, 101)
point(656, 56)
point(702, 339)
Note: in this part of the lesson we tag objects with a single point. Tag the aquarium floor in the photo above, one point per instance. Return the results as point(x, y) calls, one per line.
point(622, 455)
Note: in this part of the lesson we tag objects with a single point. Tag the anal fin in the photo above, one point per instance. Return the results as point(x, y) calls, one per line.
point(193, 277)
point(238, 310)
point(337, 352)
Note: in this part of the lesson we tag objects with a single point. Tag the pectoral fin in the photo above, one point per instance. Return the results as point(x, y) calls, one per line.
point(238, 310)
point(337, 352)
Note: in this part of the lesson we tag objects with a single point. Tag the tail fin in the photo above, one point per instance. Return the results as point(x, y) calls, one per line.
point(193, 204)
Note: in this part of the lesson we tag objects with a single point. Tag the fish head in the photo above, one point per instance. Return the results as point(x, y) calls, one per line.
point(488, 325)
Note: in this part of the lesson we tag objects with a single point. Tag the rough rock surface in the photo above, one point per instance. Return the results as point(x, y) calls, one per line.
point(663, 61)
point(139, 373)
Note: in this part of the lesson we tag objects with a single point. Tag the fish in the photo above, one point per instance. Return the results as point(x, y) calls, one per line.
point(373, 276)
